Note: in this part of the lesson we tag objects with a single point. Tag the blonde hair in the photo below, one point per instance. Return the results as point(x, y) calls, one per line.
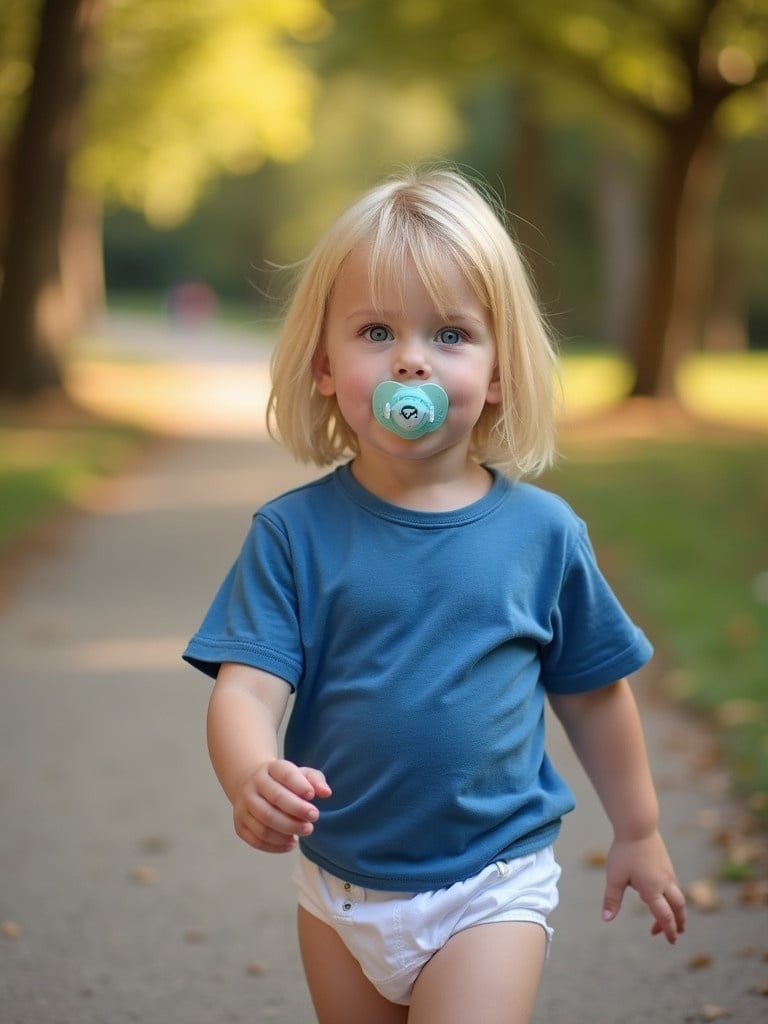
point(429, 217)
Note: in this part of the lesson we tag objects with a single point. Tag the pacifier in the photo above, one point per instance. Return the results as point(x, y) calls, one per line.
point(410, 410)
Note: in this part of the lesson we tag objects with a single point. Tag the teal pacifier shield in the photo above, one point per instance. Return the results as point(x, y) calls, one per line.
point(410, 411)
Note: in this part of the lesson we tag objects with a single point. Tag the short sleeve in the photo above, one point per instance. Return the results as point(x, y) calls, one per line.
point(253, 619)
point(594, 642)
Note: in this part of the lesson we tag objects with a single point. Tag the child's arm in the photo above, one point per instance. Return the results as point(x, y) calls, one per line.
point(271, 798)
point(605, 731)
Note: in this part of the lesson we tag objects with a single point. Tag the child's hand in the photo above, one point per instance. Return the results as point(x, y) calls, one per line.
point(644, 865)
point(273, 805)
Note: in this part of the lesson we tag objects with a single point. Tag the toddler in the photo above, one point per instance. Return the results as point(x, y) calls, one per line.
point(421, 603)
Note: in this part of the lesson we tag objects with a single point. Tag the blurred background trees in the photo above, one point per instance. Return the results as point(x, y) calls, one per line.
point(628, 138)
point(125, 103)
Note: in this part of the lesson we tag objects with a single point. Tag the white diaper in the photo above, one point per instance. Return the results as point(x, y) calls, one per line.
point(393, 934)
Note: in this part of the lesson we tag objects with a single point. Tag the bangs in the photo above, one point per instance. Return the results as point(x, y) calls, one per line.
point(403, 235)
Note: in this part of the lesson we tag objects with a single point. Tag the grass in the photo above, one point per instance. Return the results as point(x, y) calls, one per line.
point(682, 527)
point(681, 531)
point(47, 462)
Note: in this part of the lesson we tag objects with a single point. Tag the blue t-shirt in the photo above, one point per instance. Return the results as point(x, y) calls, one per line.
point(420, 646)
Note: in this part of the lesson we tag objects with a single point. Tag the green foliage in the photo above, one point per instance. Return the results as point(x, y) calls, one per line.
point(680, 526)
point(18, 28)
point(28, 495)
point(189, 93)
point(184, 91)
point(244, 226)
point(188, 90)
point(640, 56)
point(43, 468)
point(366, 127)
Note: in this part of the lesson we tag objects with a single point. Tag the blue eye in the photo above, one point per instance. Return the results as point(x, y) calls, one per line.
point(450, 336)
point(377, 332)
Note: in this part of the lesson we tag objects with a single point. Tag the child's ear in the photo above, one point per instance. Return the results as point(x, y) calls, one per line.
point(321, 372)
point(493, 396)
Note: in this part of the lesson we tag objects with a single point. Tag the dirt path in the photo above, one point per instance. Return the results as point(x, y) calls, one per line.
point(124, 895)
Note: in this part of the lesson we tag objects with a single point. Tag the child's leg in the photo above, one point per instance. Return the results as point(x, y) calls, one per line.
point(488, 974)
point(340, 992)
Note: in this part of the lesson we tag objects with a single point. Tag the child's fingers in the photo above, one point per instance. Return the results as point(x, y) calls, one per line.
point(265, 825)
point(664, 918)
point(265, 840)
point(293, 778)
point(612, 900)
point(287, 796)
point(668, 911)
point(317, 780)
point(276, 806)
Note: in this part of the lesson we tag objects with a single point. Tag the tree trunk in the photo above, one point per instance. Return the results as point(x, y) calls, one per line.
point(620, 244)
point(726, 328)
point(34, 327)
point(695, 265)
point(528, 190)
point(675, 258)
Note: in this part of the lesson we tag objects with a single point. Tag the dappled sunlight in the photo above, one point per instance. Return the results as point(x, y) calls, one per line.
point(182, 400)
point(229, 399)
point(731, 387)
point(592, 382)
point(194, 89)
point(725, 391)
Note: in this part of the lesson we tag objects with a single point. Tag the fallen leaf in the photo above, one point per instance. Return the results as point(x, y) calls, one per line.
point(700, 961)
point(741, 853)
point(10, 929)
point(596, 858)
point(156, 844)
point(758, 801)
point(736, 844)
point(749, 951)
point(142, 875)
point(760, 990)
point(256, 969)
point(703, 895)
point(710, 1012)
point(754, 894)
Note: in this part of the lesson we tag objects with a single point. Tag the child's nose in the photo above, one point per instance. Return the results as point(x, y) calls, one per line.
point(411, 360)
